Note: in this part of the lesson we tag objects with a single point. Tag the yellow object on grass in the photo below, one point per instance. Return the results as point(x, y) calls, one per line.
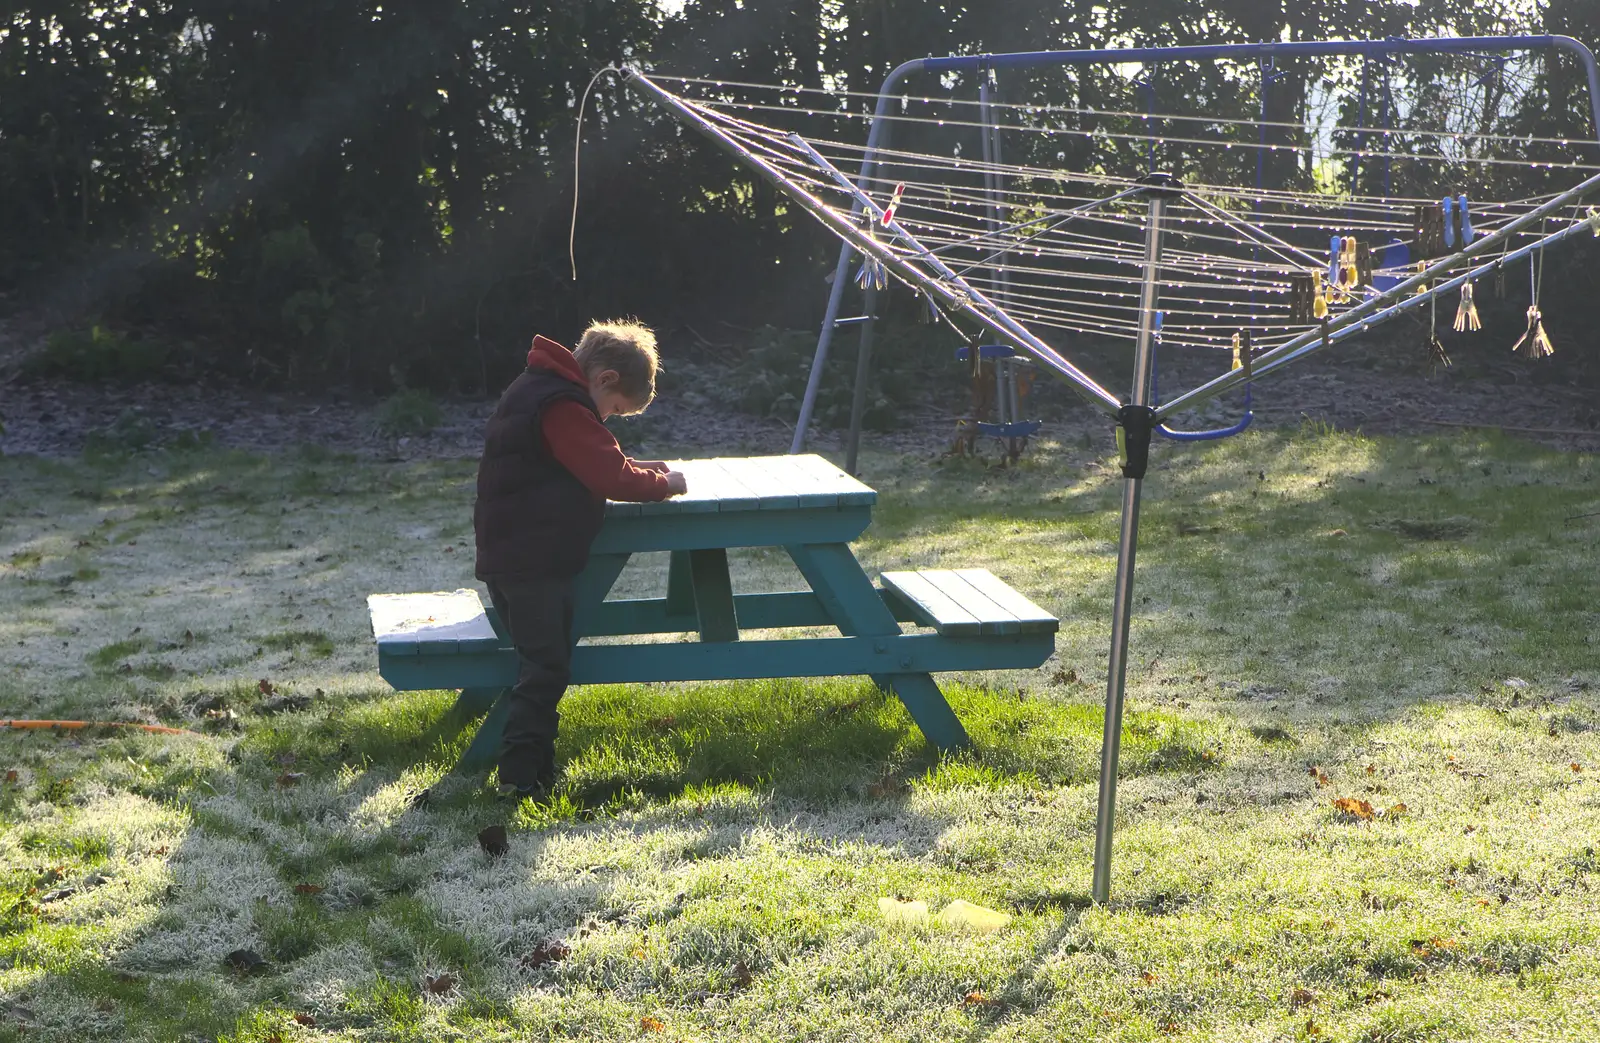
point(959, 913)
point(896, 911)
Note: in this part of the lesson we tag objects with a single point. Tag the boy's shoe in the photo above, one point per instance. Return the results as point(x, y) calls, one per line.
point(537, 791)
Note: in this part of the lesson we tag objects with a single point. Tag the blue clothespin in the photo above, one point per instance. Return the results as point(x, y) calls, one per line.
point(1447, 205)
point(872, 272)
point(1335, 248)
point(1466, 220)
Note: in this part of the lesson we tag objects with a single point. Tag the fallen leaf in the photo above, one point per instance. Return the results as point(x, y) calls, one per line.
point(662, 724)
point(11, 775)
point(245, 961)
point(265, 687)
point(1575, 766)
point(1372, 769)
point(1320, 775)
point(274, 1038)
point(440, 984)
point(1395, 811)
point(291, 778)
point(1301, 998)
point(307, 889)
point(888, 786)
point(308, 1020)
point(1149, 977)
point(493, 840)
point(543, 953)
point(742, 976)
point(650, 1024)
point(1354, 808)
point(975, 999)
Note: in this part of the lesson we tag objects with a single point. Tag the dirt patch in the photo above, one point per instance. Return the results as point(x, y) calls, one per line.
point(1371, 388)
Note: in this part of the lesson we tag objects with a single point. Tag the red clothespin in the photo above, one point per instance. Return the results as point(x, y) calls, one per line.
point(888, 212)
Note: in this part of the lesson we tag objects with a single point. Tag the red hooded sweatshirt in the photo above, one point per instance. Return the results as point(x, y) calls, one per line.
point(581, 443)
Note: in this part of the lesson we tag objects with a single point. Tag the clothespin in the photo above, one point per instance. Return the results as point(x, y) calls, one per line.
point(1363, 265)
point(1465, 219)
point(1319, 299)
point(888, 211)
point(1237, 345)
point(1245, 352)
point(1446, 208)
point(1534, 343)
point(1335, 256)
point(1593, 221)
point(1348, 278)
point(1467, 312)
point(872, 273)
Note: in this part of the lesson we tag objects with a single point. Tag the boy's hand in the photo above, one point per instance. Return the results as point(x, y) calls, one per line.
point(658, 466)
point(677, 484)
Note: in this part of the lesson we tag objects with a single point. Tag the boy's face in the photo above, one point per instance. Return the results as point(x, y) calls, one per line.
point(607, 399)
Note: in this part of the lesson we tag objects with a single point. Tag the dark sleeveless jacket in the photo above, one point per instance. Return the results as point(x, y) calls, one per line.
point(533, 518)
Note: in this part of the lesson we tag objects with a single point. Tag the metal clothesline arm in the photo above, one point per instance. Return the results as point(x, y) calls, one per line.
point(966, 294)
point(957, 297)
point(1259, 236)
point(1393, 301)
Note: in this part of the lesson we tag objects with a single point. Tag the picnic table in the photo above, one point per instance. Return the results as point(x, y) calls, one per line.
point(803, 504)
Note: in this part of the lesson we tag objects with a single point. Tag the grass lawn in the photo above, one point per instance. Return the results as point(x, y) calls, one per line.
point(1406, 629)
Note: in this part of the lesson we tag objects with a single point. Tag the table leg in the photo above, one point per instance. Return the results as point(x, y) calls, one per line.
point(680, 585)
point(857, 610)
point(484, 749)
point(592, 586)
point(474, 701)
point(713, 595)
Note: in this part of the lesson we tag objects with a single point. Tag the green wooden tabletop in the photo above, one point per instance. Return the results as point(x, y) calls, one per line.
point(756, 483)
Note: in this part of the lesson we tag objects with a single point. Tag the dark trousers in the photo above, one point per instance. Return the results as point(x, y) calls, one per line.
point(537, 616)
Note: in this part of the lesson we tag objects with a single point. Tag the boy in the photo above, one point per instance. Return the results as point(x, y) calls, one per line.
point(548, 467)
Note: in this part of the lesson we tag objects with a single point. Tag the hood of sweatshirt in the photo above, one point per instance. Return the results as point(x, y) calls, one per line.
point(547, 354)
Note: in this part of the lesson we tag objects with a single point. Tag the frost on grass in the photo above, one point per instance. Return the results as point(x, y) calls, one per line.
point(322, 982)
point(217, 881)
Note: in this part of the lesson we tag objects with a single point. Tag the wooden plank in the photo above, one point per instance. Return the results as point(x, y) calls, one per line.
point(702, 497)
point(996, 619)
point(1032, 618)
point(440, 621)
point(852, 493)
point(731, 494)
point(810, 489)
point(757, 475)
point(732, 529)
point(936, 608)
point(876, 655)
point(795, 608)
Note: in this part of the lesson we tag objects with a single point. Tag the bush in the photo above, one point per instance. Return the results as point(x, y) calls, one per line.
point(98, 353)
point(768, 378)
point(408, 413)
point(132, 432)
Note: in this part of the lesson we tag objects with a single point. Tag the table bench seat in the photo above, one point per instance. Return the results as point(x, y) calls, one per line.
point(966, 602)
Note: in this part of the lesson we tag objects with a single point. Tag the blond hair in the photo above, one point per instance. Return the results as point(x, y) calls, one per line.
point(627, 347)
